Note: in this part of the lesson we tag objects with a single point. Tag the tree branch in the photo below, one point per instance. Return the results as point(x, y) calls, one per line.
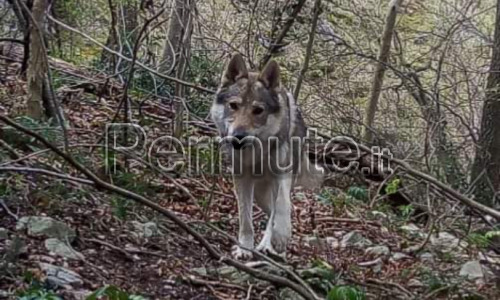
point(283, 33)
point(185, 83)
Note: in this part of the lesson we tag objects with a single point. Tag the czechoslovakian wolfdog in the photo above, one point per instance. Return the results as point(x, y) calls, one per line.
point(264, 133)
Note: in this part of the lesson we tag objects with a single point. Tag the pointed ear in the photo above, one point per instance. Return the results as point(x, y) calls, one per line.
point(270, 76)
point(235, 70)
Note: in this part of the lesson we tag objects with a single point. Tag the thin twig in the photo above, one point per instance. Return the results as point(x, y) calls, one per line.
point(9, 212)
point(185, 83)
point(279, 39)
point(45, 172)
point(9, 149)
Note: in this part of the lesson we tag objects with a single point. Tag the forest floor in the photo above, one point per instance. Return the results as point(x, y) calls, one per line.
point(339, 239)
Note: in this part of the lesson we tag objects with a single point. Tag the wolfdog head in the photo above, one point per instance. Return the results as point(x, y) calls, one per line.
point(249, 105)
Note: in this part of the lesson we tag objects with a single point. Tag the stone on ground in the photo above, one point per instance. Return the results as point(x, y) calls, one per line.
point(378, 251)
point(355, 239)
point(60, 276)
point(62, 249)
point(472, 270)
point(47, 227)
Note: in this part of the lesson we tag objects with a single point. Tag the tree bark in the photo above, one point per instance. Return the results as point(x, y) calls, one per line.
point(24, 21)
point(181, 69)
point(310, 42)
point(378, 78)
point(486, 169)
point(107, 59)
point(176, 31)
point(37, 70)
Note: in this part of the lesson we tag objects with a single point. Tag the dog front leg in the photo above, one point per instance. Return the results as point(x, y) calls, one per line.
point(282, 221)
point(244, 190)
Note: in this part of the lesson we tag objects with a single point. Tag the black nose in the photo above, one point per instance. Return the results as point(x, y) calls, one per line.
point(238, 139)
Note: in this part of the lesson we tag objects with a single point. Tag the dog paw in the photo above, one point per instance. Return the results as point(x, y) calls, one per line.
point(241, 254)
point(265, 246)
point(279, 239)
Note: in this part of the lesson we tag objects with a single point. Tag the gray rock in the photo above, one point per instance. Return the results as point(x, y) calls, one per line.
point(415, 283)
point(4, 234)
point(378, 251)
point(289, 294)
point(45, 226)
point(226, 271)
point(355, 239)
point(62, 249)
point(410, 228)
point(445, 242)
point(332, 242)
point(379, 215)
point(427, 257)
point(399, 256)
point(202, 271)
point(314, 241)
point(60, 276)
point(145, 230)
point(76, 295)
point(472, 270)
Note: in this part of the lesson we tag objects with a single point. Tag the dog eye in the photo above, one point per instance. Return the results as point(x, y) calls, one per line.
point(258, 110)
point(233, 105)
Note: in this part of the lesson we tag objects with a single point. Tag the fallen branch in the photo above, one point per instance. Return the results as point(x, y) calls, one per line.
point(7, 210)
point(9, 149)
point(367, 152)
point(212, 251)
point(345, 220)
point(45, 172)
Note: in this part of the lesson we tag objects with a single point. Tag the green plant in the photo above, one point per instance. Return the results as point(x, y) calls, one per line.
point(321, 276)
point(492, 234)
point(120, 207)
point(346, 292)
point(356, 192)
point(406, 211)
point(481, 241)
point(112, 293)
point(393, 186)
point(433, 281)
point(36, 290)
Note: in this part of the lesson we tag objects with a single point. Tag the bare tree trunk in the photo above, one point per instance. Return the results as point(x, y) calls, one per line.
point(176, 54)
point(37, 70)
point(176, 31)
point(108, 59)
point(23, 20)
point(181, 68)
point(310, 42)
point(486, 169)
point(378, 78)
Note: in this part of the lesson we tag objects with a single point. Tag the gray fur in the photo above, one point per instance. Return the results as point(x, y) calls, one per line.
point(256, 105)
